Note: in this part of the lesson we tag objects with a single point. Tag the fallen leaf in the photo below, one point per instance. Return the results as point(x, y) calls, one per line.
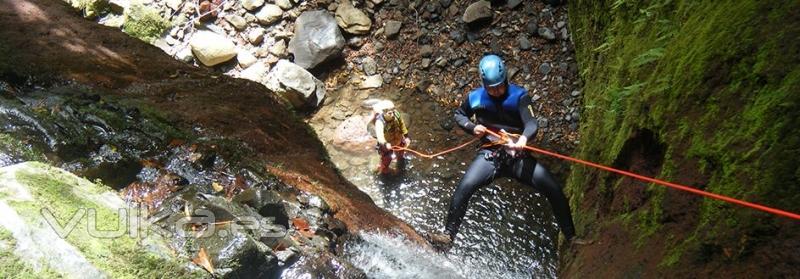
point(176, 142)
point(302, 226)
point(217, 188)
point(203, 260)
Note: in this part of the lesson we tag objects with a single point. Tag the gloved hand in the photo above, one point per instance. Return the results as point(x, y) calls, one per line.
point(406, 141)
point(479, 130)
point(518, 147)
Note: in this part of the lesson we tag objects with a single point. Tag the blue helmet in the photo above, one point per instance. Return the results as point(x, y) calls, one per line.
point(493, 72)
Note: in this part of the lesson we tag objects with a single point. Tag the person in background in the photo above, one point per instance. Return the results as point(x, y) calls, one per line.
point(390, 131)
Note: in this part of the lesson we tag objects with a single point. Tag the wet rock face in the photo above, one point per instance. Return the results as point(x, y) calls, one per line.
point(317, 39)
point(230, 233)
point(76, 251)
point(352, 135)
point(187, 188)
point(267, 203)
point(76, 131)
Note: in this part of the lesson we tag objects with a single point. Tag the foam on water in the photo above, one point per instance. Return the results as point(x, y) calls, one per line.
point(384, 256)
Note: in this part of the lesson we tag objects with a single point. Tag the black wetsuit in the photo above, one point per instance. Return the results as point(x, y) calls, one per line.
point(512, 112)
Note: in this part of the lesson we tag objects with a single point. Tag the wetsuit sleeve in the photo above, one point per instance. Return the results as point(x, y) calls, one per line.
point(463, 115)
point(528, 120)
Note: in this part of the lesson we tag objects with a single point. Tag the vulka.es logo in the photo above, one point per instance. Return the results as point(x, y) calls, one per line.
point(131, 223)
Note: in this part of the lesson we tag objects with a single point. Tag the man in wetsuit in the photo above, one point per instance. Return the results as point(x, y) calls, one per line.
point(501, 106)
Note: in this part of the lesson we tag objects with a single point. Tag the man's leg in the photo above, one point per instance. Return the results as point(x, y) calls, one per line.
point(527, 171)
point(386, 159)
point(479, 173)
point(400, 154)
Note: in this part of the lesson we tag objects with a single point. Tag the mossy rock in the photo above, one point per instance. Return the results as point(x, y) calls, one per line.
point(90, 8)
point(47, 215)
point(144, 23)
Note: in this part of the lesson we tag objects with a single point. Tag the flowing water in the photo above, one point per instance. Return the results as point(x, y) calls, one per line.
point(508, 231)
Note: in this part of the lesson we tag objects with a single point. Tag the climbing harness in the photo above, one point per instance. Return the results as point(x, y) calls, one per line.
point(505, 138)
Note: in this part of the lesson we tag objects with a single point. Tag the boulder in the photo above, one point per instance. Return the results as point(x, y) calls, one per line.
point(257, 72)
point(229, 232)
point(246, 59)
point(478, 11)
point(524, 42)
point(278, 49)
point(392, 28)
point(316, 39)
point(352, 135)
point(546, 33)
point(267, 203)
point(269, 13)
point(373, 81)
point(256, 36)
point(352, 20)
point(295, 84)
point(252, 5)
point(184, 55)
point(211, 48)
point(60, 225)
point(369, 66)
point(237, 22)
point(284, 4)
point(174, 4)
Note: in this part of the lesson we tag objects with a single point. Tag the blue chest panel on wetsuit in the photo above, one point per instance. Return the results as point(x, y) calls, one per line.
point(479, 99)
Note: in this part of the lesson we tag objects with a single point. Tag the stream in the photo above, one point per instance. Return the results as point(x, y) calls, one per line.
point(508, 231)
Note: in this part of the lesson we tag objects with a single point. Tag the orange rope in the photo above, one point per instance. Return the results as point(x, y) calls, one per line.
point(429, 156)
point(504, 137)
point(662, 182)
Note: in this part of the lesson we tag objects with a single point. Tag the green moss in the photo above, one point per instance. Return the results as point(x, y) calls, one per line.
point(144, 23)
point(17, 149)
point(12, 266)
point(90, 8)
point(718, 84)
point(120, 257)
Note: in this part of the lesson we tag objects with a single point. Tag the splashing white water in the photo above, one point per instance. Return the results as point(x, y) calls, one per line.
point(384, 256)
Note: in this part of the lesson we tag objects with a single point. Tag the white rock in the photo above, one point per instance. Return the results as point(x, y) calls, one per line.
point(373, 81)
point(278, 49)
point(237, 22)
point(257, 72)
point(211, 48)
point(246, 59)
point(114, 21)
point(352, 20)
point(252, 5)
point(295, 84)
point(184, 55)
point(174, 4)
point(284, 4)
point(269, 14)
point(256, 36)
